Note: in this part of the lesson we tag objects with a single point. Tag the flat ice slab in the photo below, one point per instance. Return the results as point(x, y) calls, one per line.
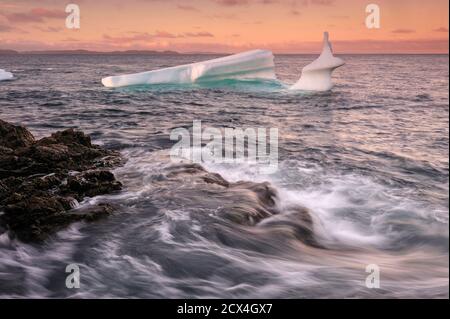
point(256, 64)
point(5, 75)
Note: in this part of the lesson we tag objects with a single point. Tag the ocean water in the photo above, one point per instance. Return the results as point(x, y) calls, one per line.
point(368, 160)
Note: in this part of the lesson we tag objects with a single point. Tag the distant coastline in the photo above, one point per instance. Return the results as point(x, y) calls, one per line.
point(128, 52)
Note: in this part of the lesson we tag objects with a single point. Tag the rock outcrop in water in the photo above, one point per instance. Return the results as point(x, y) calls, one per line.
point(41, 181)
point(249, 204)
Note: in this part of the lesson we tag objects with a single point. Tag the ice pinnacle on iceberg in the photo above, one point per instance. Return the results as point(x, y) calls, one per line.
point(5, 75)
point(316, 76)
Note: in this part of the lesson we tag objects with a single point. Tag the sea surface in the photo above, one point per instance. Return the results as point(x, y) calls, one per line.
point(368, 161)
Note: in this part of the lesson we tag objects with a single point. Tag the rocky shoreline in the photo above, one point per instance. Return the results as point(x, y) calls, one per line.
point(42, 181)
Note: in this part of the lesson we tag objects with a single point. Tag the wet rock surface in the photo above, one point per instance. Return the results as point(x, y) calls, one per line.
point(254, 206)
point(41, 181)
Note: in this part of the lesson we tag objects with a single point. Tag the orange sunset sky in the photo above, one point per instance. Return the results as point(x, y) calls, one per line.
point(284, 26)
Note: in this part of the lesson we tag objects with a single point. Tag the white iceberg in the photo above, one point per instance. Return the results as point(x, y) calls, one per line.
point(316, 76)
point(256, 64)
point(5, 75)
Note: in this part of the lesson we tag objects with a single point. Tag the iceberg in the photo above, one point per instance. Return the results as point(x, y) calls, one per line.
point(256, 64)
point(5, 75)
point(316, 76)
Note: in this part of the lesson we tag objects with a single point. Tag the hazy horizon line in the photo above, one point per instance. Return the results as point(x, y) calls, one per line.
point(169, 52)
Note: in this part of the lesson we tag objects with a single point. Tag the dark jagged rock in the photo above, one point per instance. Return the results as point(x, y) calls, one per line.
point(91, 183)
point(12, 136)
point(42, 180)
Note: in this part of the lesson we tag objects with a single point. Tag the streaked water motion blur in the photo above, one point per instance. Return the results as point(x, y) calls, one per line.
point(367, 162)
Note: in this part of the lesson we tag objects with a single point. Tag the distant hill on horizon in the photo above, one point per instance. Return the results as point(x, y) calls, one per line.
point(150, 52)
point(4, 52)
point(126, 52)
